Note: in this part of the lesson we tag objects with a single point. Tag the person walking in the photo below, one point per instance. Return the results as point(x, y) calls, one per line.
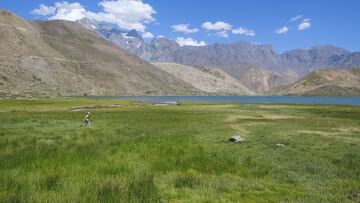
point(87, 120)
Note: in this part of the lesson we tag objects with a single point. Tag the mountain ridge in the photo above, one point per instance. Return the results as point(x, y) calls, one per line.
point(239, 57)
point(315, 52)
point(210, 80)
point(61, 58)
point(336, 82)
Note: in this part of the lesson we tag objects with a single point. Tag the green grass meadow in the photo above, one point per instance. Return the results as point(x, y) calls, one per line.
point(146, 153)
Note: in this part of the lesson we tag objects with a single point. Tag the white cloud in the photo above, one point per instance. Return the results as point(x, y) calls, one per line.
point(148, 35)
point(127, 14)
point(295, 18)
point(184, 28)
point(216, 26)
point(223, 34)
point(282, 30)
point(304, 25)
point(68, 11)
point(244, 31)
point(189, 42)
point(44, 10)
point(160, 36)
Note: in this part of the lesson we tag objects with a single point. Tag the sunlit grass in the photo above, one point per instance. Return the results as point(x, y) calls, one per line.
point(144, 153)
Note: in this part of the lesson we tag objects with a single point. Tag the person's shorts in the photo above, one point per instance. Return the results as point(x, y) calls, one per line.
point(87, 122)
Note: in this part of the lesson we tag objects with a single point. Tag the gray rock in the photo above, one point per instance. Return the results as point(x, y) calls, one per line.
point(171, 103)
point(236, 139)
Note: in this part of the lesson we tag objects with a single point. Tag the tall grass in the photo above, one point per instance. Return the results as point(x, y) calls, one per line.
point(143, 153)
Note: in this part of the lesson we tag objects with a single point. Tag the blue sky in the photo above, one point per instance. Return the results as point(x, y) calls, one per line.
point(335, 22)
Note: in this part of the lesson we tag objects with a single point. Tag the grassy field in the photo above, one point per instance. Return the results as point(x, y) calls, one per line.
point(144, 153)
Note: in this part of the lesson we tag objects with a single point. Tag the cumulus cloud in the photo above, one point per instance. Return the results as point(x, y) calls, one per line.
point(189, 42)
point(148, 35)
point(68, 11)
point(282, 30)
point(160, 36)
point(295, 18)
point(304, 25)
point(44, 10)
point(244, 31)
point(127, 14)
point(184, 28)
point(218, 26)
point(222, 34)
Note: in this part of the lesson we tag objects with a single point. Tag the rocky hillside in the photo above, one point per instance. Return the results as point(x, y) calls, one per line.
point(318, 57)
point(212, 81)
point(262, 81)
point(57, 58)
point(341, 82)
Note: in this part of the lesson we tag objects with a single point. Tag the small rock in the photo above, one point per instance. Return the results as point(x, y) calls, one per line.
point(236, 139)
point(171, 103)
point(280, 145)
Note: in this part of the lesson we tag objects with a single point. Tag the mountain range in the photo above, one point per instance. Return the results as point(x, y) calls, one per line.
point(62, 58)
point(268, 68)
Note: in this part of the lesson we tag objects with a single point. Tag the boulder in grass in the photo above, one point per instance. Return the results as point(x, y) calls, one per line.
point(171, 103)
point(280, 145)
point(236, 139)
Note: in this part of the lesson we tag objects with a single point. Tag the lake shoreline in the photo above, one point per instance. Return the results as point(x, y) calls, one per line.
point(352, 101)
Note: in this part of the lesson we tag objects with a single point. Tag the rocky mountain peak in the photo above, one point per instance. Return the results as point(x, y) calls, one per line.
point(319, 50)
point(10, 19)
point(89, 23)
point(4, 12)
point(135, 34)
point(164, 42)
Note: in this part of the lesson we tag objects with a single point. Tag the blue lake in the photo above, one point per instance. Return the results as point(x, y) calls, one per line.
point(243, 99)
